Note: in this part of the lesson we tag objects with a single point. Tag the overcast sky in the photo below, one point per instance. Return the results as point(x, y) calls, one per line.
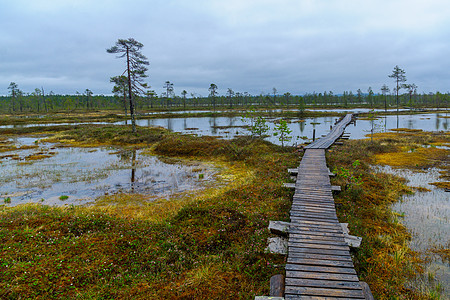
point(296, 46)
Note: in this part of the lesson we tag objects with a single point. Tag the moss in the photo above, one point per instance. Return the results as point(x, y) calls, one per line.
point(442, 184)
point(132, 246)
point(412, 158)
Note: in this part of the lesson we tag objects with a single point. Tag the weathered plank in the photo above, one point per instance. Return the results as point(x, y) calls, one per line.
point(319, 241)
point(318, 246)
point(315, 216)
point(313, 291)
point(303, 297)
point(346, 258)
point(322, 218)
point(277, 284)
point(321, 262)
point(308, 234)
point(296, 249)
point(300, 228)
point(322, 276)
point(332, 284)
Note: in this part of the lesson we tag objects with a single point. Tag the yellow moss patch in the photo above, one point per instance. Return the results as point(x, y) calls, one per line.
point(7, 147)
point(442, 184)
point(12, 156)
point(421, 189)
point(421, 157)
point(39, 155)
point(406, 130)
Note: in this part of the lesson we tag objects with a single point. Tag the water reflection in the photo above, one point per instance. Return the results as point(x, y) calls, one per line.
point(427, 217)
point(83, 174)
point(220, 126)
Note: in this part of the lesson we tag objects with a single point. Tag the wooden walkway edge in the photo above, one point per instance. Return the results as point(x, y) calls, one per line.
point(319, 265)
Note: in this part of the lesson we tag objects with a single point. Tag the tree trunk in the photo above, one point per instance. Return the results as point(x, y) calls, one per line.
point(130, 94)
point(125, 101)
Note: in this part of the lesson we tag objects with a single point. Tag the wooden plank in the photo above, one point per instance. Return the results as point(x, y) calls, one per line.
point(321, 276)
point(320, 256)
point(318, 246)
point(312, 218)
point(314, 234)
point(293, 171)
point(320, 269)
point(289, 185)
point(332, 284)
point(327, 202)
point(321, 262)
point(301, 221)
point(313, 200)
point(314, 212)
point(296, 297)
point(324, 218)
point(319, 241)
point(314, 227)
point(336, 188)
point(323, 223)
point(314, 206)
point(317, 251)
point(315, 216)
point(311, 210)
point(277, 284)
point(339, 238)
point(298, 228)
point(314, 291)
point(310, 193)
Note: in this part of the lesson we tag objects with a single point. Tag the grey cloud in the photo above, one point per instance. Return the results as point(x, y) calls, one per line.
point(253, 46)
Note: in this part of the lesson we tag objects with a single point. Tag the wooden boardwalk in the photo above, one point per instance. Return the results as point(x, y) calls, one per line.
point(319, 265)
point(335, 133)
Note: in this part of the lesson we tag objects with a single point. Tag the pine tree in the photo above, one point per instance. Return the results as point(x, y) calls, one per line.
point(136, 68)
point(399, 76)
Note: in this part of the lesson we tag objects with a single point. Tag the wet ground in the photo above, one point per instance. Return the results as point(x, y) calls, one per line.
point(56, 175)
point(426, 214)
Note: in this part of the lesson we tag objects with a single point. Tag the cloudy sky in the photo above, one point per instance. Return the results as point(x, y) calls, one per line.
point(296, 46)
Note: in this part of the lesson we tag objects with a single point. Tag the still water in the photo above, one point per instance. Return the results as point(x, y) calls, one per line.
point(427, 216)
point(302, 129)
point(83, 174)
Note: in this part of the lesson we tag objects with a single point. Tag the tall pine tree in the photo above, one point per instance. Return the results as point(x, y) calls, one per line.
point(135, 70)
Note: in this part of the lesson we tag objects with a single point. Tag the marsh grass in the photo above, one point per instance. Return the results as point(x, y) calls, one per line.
point(203, 245)
point(385, 260)
point(206, 245)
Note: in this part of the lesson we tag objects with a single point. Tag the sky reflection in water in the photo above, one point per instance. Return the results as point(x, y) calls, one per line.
point(86, 173)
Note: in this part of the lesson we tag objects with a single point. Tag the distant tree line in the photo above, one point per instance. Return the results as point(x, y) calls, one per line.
point(39, 101)
point(138, 96)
